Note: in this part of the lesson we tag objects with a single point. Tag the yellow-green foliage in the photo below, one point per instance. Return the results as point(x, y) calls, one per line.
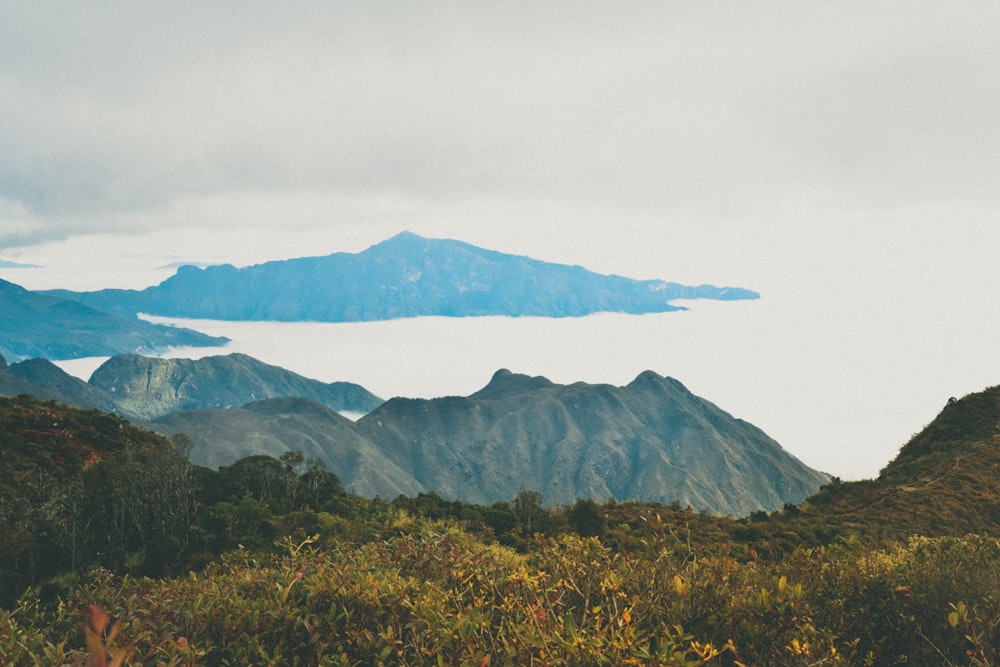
point(429, 581)
point(437, 595)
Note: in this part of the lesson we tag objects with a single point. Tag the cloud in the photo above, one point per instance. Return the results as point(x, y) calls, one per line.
point(116, 115)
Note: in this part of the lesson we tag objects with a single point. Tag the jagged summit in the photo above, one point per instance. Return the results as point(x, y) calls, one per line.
point(653, 381)
point(149, 388)
point(505, 384)
point(652, 440)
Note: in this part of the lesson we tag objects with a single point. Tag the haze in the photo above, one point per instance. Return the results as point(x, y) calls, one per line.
point(842, 160)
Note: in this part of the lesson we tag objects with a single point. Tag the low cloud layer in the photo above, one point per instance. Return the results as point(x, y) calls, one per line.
point(116, 117)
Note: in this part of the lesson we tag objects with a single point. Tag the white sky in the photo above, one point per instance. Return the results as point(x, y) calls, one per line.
point(841, 158)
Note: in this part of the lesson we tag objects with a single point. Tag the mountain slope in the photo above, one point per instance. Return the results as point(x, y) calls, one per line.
point(35, 325)
point(147, 388)
point(44, 443)
point(278, 425)
point(43, 379)
point(405, 276)
point(12, 385)
point(651, 440)
point(944, 481)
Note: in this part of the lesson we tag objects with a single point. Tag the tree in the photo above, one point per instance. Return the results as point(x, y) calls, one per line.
point(527, 508)
point(586, 519)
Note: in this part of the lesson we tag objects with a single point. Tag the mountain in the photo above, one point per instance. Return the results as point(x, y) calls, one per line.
point(944, 481)
point(37, 325)
point(651, 440)
point(43, 379)
point(278, 425)
point(146, 388)
point(405, 276)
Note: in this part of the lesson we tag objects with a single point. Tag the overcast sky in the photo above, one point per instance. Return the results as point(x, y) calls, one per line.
point(840, 158)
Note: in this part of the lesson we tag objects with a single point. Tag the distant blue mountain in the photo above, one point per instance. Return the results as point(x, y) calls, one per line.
point(36, 325)
point(405, 276)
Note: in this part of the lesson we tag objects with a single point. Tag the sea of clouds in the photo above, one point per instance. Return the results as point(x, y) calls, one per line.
point(844, 408)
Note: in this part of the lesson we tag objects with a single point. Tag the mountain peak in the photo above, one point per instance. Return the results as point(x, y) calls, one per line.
point(404, 276)
point(12, 288)
point(650, 379)
point(504, 384)
point(404, 239)
point(405, 236)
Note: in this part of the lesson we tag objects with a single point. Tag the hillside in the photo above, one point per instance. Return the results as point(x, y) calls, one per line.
point(48, 443)
point(43, 379)
point(147, 388)
point(944, 481)
point(405, 276)
point(651, 441)
point(276, 426)
point(266, 560)
point(35, 325)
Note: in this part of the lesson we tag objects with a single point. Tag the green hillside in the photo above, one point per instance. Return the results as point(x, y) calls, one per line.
point(268, 561)
point(944, 481)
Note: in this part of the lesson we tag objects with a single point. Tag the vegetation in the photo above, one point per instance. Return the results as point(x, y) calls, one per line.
point(118, 550)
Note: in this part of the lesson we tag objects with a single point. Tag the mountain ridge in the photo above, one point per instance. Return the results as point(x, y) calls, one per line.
point(944, 481)
point(145, 388)
point(650, 441)
point(34, 324)
point(404, 276)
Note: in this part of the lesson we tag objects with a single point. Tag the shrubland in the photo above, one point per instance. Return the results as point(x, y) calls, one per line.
point(117, 550)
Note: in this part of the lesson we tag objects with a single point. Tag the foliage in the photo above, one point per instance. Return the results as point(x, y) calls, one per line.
point(119, 551)
point(436, 594)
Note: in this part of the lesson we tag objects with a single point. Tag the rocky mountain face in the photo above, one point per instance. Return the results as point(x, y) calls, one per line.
point(35, 325)
point(405, 276)
point(279, 425)
point(651, 440)
point(145, 388)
